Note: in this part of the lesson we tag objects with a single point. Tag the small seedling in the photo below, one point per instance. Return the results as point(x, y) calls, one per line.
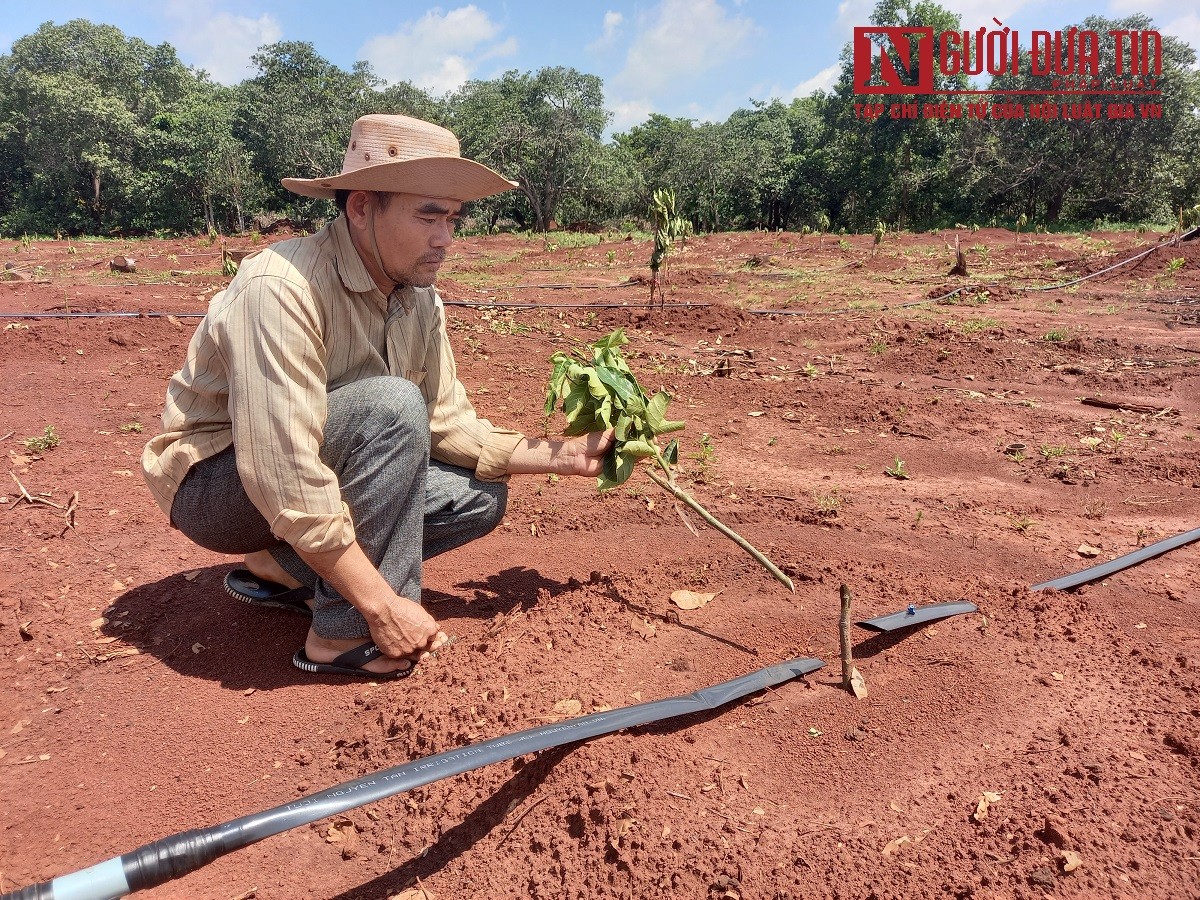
point(47, 440)
point(1175, 265)
point(1022, 523)
point(705, 456)
point(668, 228)
point(131, 428)
point(809, 371)
point(897, 470)
point(1050, 452)
point(828, 503)
point(1057, 335)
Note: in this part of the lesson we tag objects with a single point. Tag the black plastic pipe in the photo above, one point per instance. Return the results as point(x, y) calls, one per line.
point(1095, 573)
point(175, 856)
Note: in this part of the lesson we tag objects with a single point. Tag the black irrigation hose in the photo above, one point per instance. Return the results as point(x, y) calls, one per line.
point(177, 855)
point(466, 303)
point(1095, 573)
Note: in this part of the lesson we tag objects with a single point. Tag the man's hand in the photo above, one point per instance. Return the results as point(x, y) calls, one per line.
point(399, 627)
point(402, 629)
point(583, 455)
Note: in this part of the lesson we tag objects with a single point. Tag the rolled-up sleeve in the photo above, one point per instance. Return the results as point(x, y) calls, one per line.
point(270, 341)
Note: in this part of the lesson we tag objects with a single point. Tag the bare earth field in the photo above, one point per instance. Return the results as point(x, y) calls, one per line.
point(137, 700)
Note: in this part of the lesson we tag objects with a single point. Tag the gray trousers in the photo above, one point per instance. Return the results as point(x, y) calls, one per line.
point(406, 508)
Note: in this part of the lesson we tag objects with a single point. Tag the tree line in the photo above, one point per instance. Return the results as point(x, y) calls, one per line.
point(102, 133)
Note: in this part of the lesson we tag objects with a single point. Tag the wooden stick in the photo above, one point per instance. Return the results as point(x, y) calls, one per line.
point(844, 629)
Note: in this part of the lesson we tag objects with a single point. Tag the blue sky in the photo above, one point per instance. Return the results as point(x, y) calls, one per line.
point(695, 58)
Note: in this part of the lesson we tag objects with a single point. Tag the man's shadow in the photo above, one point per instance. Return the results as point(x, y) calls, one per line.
point(190, 623)
point(516, 587)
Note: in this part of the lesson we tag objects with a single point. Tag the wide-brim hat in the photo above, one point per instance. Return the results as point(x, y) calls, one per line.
point(404, 155)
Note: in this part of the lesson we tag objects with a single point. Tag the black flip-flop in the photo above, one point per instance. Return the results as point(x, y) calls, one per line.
point(244, 585)
point(350, 663)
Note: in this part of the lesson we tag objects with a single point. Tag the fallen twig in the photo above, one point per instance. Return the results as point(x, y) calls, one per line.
point(28, 497)
point(1130, 407)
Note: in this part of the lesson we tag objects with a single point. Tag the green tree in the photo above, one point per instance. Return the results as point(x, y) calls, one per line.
point(1136, 169)
point(542, 130)
point(294, 118)
point(77, 101)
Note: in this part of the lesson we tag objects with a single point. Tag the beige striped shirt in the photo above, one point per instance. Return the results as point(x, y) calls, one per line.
point(299, 320)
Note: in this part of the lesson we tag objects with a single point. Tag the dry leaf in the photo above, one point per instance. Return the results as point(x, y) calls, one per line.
point(858, 684)
point(417, 893)
point(690, 599)
point(20, 726)
point(568, 707)
point(1070, 860)
point(1140, 625)
point(643, 626)
point(117, 586)
point(198, 647)
point(1057, 676)
point(98, 623)
point(895, 844)
point(43, 756)
point(191, 576)
point(1088, 550)
point(985, 801)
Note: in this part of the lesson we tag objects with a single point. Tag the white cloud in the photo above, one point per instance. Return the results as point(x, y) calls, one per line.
point(852, 14)
point(612, 30)
point(626, 114)
point(822, 81)
point(1149, 7)
point(439, 51)
point(680, 40)
point(1185, 27)
point(979, 13)
point(221, 43)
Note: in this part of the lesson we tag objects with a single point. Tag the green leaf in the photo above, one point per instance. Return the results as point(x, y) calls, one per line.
point(617, 469)
point(671, 454)
point(656, 409)
point(622, 385)
point(639, 449)
point(612, 340)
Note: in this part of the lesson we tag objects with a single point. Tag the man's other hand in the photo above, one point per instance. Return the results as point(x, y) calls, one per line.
point(583, 455)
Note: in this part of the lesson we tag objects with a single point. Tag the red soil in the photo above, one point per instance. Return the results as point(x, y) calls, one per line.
point(138, 700)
